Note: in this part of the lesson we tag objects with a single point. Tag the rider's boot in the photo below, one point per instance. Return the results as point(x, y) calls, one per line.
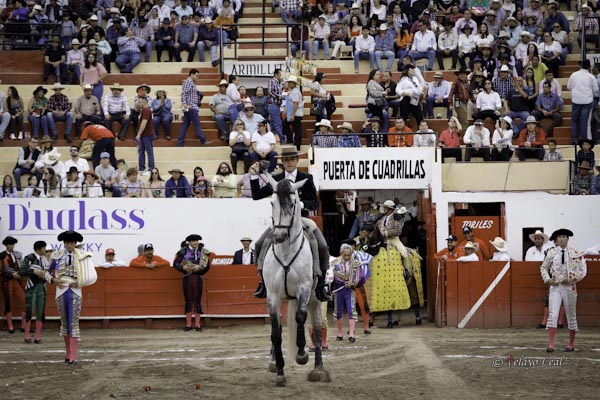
point(261, 292)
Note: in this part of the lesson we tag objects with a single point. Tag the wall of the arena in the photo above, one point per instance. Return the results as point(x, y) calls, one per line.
point(581, 214)
point(134, 297)
point(516, 301)
point(123, 224)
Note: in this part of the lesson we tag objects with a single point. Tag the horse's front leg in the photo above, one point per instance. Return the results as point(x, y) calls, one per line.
point(301, 312)
point(276, 342)
point(319, 374)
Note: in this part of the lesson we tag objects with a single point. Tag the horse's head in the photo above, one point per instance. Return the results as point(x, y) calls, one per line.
point(286, 208)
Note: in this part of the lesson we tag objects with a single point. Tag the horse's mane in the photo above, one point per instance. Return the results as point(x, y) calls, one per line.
point(284, 194)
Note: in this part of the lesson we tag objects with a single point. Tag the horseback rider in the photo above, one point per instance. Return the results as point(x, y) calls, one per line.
point(308, 197)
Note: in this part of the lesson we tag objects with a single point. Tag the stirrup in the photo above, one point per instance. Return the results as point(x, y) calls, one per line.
point(261, 292)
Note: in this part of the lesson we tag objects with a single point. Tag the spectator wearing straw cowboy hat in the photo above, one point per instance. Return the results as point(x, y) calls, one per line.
point(324, 137)
point(59, 109)
point(501, 253)
point(348, 137)
point(116, 109)
point(87, 108)
point(244, 256)
point(531, 140)
point(541, 244)
point(470, 254)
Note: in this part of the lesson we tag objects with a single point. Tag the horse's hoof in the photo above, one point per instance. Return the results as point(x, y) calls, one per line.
point(272, 367)
point(302, 359)
point(319, 375)
point(280, 381)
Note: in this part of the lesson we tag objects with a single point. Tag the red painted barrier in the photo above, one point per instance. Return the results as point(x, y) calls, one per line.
point(517, 300)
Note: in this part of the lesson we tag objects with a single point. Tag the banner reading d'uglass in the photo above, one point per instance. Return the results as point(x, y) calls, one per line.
point(373, 168)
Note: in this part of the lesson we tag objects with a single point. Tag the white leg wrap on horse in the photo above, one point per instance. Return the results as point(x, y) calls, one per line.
point(566, 295)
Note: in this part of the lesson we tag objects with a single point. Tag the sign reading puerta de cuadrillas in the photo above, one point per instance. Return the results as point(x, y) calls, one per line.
point(373, 168)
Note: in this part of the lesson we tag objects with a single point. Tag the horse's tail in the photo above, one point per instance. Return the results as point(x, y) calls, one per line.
point(292, 326)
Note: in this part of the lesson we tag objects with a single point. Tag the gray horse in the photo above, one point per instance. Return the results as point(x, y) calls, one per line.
point(288, 274)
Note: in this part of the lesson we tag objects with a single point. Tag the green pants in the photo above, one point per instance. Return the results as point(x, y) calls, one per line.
point(35, 298)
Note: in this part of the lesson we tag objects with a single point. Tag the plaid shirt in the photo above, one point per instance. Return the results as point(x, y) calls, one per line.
point(146, 33)
point(503, 87)
point(325, 141)
point(189, 94)
point(348, 141)
point(290, 5)
point(59, 102)
point(116, 104)
point(275, 91)
point(131, 44)
point(556, 156)
point(591, 25)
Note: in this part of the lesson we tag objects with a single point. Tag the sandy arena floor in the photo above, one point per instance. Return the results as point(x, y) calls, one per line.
point(231, 363)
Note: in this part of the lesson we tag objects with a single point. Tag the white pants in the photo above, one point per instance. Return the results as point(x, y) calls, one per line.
point(567, 295)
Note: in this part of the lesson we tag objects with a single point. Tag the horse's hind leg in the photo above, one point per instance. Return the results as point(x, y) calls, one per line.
point(276, 341)
point(301, 355)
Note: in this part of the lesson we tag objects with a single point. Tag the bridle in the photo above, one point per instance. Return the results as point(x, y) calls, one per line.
point(291, 224)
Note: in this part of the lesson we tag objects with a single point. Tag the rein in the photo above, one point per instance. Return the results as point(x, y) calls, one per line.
point(286, 267)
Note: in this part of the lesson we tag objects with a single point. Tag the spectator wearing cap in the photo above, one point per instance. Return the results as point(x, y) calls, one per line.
point(449, 140)
point(110, 260)
point(129, 52)
point(72, 184)
point(437, 95)
point(87, 108)
point(165, 40)
point(548, 106)
point(364, 48)
point(177, 185)
point(162, 115)
point(186, 37)
point(424, 45)
point(480, 247)
point(148, 259)
point(447, 45)
point(59, 109)
point(477, 139)
point(531, 140)
point(244, 256)
point(116, 109)
point(208, 39)
point(106, 174)
point(583, 86)
point(144, 32)
point(55, 62)
point(263, 146)
point(466, 45)
point(450, 252)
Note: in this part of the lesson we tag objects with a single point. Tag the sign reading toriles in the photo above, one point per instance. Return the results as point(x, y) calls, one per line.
point(373, 168)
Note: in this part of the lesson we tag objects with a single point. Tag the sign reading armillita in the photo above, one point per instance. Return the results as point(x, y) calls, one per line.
point(254, 68)
point(373, 168)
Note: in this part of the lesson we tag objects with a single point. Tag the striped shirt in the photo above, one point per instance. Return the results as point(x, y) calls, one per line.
point(116, 104)
point(189, 94)
point(131, 44)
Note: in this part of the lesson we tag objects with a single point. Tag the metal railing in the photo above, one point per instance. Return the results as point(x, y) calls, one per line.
point(26, 35)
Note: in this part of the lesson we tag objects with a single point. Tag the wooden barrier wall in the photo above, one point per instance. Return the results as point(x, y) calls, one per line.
point(518, 299)
point(135, 292)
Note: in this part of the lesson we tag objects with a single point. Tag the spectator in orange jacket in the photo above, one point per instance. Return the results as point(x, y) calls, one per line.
point(450, 253)
point(148, 259)
point(482, 249)
point(400, 140)
point(531, 141)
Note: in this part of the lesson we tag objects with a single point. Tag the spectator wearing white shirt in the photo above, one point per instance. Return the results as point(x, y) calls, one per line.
point(584, 87)
point(501, 253)
point(470, 254)
point(75, 161)
point(537, 252)
point(424, 138)
point(466, 46)
point(410, 91)
point(502, 149)
point(424, 45)
point(550, 51)
point(91, 186)
point(235, 97)
point(239, 141)
point(364, 48)
point(263, 146)
point(437, 95)
point(521, 51)
point(447, 45)
point(110, 260)
point(477, 139)
point(488, 103)
point(321, 37)
point(466, 20)
point(184, 9)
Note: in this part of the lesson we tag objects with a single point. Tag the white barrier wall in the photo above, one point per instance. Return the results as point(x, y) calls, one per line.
point(123, 223)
